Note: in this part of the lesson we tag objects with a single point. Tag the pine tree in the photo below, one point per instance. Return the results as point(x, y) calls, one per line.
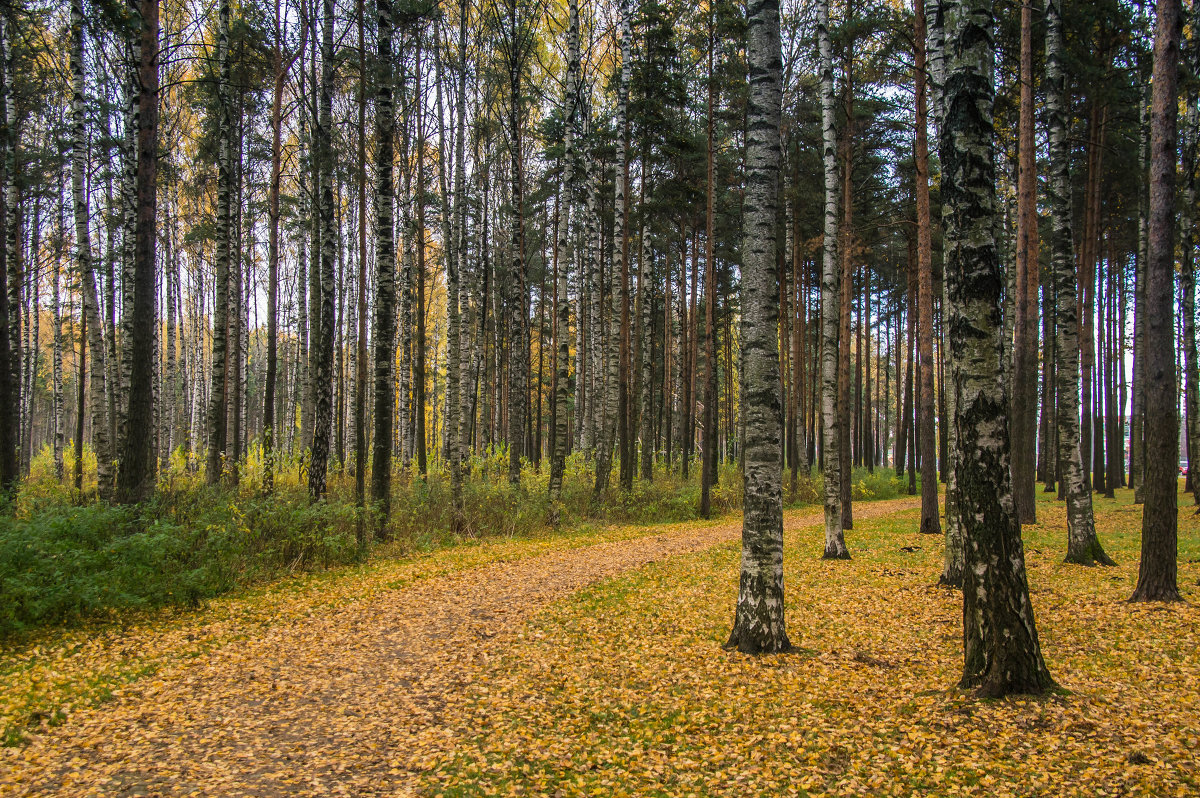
point(1024, 373)
point(1158, 570)
point(136, 479)
point(219, 391)
point(925, 365)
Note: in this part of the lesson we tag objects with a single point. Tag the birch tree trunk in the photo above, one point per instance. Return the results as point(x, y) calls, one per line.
point(170, 382)
point(759, 622)
point(518, 349)
point(1083, 546)
point(13, 266)
point(58, 430)
point(467, 355)
point(455, 262)
point(954, 553)
point(384, 324)
point(835, 542)
point(93, 330)
point(10, 312)
point(418, 356)
point(1001, 651)
point(323, 399)
point(360, 354)
point(618, 265)
point(269, 437)
point(562, 377)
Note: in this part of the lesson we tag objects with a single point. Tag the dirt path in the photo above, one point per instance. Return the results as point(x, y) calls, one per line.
point(346, 701)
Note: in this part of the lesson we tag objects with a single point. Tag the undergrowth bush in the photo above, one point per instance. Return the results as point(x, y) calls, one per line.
point(64, 562)
point(63, 558)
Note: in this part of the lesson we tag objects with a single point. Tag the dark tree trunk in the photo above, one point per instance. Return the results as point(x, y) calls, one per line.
point(708, 465)
point(385, 270)
point(10, 388)
point(930, 521)
point(1157, 572)
point(136, 477)
point(219, 387)
point(1025, 325)
point(323, 346)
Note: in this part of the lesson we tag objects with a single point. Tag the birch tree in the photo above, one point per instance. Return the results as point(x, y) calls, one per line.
point(384, 323)
point(759, 622)
point(1083, 546)
point(1001, 651)
point(563, 386)
point(835, 543)
point(323, 361)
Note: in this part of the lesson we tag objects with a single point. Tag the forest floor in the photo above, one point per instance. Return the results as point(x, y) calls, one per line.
point(590, 663)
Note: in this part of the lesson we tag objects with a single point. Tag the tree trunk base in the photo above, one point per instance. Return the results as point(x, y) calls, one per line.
point(951, 581)
point(754, 644)
point(1155, 592)
point(1000, 685)
point(836, 554)
point(1089, 555)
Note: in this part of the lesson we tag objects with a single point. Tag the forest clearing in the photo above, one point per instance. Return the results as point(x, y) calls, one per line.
point(554, 397)
point(592, 666)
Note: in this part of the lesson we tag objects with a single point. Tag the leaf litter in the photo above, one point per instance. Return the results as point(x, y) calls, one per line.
point(574, 669)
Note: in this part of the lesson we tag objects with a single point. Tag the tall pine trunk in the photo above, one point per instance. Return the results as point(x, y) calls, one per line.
point(136, 479)
point(219, 386)
point(708, 465)
point(1157, 572)
point(92, 329)
point(1187, 273)
point(1025, 325)
point(930, 522)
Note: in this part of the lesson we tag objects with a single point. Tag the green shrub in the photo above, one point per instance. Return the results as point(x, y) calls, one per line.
point(66, 563)
point(60, 562)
